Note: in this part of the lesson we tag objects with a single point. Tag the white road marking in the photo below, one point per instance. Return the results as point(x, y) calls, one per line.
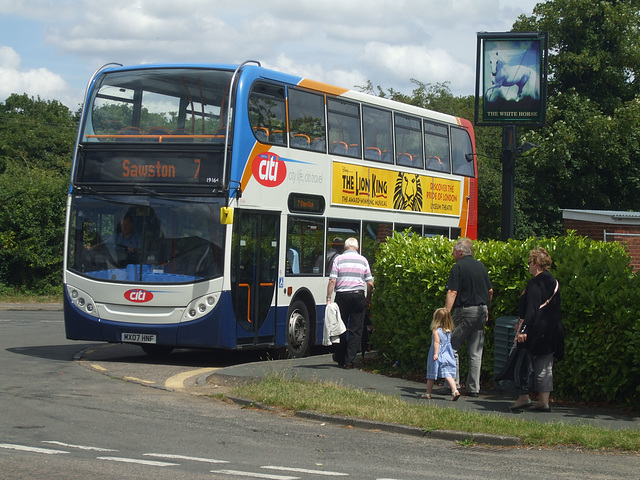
point(79, 447)
point(141, 462)
point(24, 448)
point(305, 470)
point(183, 457)
point(255, 475)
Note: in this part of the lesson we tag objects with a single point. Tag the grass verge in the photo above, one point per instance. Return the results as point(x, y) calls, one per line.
point(290, 393)
point(17, 298)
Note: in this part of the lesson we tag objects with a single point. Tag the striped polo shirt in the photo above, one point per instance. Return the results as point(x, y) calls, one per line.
point(351, 272)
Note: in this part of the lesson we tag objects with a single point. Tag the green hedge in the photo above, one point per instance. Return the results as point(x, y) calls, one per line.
point(600, 308)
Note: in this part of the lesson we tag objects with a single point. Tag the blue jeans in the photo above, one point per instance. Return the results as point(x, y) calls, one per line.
point(469, 325)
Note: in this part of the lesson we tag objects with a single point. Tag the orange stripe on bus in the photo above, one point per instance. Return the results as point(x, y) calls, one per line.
point(248, 169)
point(464, 214)
point(322, 87)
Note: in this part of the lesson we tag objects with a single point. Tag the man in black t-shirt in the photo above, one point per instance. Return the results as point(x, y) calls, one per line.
point(469, 292)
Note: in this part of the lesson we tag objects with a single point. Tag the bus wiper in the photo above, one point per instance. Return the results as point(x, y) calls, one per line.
point(82, 189)
point(148, 191)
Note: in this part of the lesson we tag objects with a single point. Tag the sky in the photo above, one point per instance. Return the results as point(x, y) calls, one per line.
point(50, 48)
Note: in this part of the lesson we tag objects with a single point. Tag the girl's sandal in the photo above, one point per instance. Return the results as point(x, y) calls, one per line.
point(455, 396)
point(426, 396)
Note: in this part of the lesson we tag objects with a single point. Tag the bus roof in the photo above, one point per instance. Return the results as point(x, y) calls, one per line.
point(259, 71)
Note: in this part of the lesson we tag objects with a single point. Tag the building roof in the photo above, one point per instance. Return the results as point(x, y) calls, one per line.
point(602, 216)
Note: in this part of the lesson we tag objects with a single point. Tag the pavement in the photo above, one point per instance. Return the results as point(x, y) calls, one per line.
point(490, 402)
point(323, 368)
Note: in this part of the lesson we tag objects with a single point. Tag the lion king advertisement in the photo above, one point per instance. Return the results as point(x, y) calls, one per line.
point(379, 188)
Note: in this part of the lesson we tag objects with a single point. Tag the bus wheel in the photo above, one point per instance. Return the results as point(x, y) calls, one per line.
point(157, 350)
point(298, 330)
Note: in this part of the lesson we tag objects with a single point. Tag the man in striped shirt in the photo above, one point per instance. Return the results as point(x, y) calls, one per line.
point(352, 282)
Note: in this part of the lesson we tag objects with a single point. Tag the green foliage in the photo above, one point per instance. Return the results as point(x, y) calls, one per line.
point(600, 307)
point(36, 133)
point(31, 229)
point(590, 145)
point(409, 286)
point(36, 143)
point(594, 48)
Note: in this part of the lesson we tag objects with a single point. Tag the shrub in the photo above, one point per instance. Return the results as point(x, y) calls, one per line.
point(600, 307)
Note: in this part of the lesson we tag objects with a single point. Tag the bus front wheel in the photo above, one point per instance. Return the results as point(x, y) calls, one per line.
point(298, 330)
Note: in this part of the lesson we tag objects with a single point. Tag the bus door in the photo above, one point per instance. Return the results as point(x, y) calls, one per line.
point(254, 268)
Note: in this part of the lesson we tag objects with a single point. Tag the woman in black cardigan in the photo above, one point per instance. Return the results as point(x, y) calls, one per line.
point(540, 328)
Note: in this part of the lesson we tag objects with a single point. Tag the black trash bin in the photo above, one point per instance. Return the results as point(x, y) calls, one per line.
point(504, 333)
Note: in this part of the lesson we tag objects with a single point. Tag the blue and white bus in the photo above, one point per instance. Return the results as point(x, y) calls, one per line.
point(205, 199)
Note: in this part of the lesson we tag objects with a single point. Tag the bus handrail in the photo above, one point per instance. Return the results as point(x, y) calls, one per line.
point(248, 287)
point(83, 113)
point(228, 124)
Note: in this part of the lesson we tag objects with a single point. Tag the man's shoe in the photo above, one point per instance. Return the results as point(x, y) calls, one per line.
point(472, 394)
point(335, 359)
point(349, 366)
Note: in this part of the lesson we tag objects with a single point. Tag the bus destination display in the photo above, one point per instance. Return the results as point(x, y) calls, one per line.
point(150, 167)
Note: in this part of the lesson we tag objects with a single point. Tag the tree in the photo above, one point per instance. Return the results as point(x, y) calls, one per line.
point(589, 151)
point(594, 48)
point(37, 133)
point(36, 144)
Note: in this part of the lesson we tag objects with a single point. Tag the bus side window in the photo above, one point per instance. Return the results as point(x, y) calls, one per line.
point(267, 112)
point(306, 120)
point(378, 135)
point(409, 141)
point(436, 147)
point(344, 127)
point(304, 245)
point(461, 145)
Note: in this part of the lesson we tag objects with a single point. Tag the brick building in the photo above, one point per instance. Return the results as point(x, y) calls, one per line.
point(608, 226)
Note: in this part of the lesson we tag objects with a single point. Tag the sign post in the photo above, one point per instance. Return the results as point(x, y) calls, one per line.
point(511, 80)
point(508, 158)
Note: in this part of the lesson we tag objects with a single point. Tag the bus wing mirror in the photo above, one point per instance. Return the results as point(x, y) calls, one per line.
point(226, 215)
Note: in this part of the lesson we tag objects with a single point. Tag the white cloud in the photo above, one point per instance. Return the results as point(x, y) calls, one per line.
point(38, 82)
point(344, 43)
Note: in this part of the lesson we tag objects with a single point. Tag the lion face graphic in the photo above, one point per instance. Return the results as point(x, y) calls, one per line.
point(407, 193)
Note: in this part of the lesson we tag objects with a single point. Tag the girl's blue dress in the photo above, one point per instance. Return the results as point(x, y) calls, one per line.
point(445, 366)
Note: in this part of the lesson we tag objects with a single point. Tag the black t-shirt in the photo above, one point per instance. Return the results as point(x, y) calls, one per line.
point(470, 279)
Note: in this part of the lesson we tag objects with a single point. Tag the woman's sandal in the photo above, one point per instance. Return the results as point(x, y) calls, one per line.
point(521, 406)
point(455, 396)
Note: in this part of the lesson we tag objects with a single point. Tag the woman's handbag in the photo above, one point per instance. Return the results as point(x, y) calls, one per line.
point(517, 374)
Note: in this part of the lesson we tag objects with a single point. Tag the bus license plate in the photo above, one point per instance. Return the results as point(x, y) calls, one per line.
point(138, 338)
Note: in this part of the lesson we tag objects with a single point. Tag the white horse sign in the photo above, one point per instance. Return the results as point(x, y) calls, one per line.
point(512, 79)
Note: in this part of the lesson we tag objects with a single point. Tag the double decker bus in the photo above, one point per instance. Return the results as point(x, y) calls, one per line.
point(207, 201)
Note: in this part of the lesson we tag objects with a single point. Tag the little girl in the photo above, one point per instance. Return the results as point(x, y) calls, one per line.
point(440, 362)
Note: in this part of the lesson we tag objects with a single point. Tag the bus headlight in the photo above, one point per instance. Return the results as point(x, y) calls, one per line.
point(82, 300)
point(200, 307)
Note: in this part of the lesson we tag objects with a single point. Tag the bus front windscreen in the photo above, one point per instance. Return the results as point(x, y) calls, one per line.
point(176, 105)
point(136, 239)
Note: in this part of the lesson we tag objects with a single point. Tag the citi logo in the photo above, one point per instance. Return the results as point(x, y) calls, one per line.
point(269, 170)
point(138, 295)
